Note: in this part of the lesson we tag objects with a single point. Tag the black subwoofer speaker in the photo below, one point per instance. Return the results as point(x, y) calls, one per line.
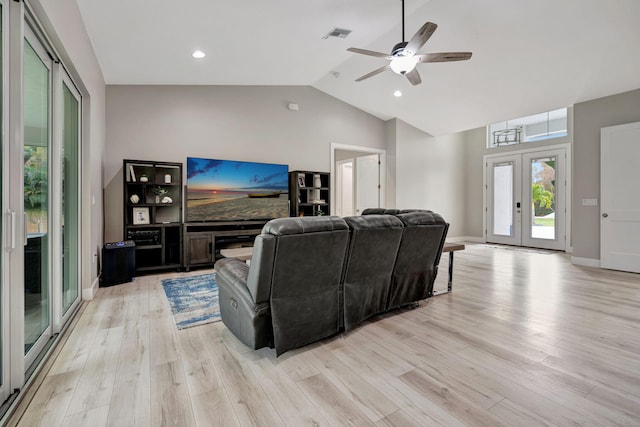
point(118, 263)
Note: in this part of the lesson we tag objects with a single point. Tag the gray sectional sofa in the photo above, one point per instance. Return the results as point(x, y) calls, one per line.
point(312, 277)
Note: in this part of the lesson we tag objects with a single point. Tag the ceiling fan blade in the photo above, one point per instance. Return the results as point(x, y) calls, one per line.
point(414, 77)
point(373, 73)
point(420, 38)
point(369, 52)
point(444, 57)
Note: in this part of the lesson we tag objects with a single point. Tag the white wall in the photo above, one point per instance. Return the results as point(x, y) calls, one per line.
point(252, 123)
point(63, 23)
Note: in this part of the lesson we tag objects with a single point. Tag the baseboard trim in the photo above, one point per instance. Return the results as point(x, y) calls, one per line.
point(88, 293)
point(465, 239)
point(587, 262)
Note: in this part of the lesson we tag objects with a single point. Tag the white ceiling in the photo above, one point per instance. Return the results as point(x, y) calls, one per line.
point(529, 56)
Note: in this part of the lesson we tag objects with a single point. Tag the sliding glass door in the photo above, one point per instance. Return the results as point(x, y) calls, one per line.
point(40, 198)
point(36, 188)
point(4, 355)
point(69, 199)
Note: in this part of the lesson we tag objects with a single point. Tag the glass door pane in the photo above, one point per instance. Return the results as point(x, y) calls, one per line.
point(543, 198)
point(544, 185)
point(503, 199)
point(36, 196)
point(504, 179)
point(70, 195)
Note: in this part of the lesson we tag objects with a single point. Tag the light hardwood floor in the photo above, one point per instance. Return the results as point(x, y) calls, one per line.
point(525, 338)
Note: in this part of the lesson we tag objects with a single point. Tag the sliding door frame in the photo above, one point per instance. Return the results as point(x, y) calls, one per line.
point(17, 369)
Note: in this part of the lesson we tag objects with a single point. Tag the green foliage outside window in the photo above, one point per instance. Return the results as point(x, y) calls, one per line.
point(35, 176)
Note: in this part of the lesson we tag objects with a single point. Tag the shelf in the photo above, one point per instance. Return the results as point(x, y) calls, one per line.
point(147, 247)
point(159, 267)
point(163, 233)
point(305, 186)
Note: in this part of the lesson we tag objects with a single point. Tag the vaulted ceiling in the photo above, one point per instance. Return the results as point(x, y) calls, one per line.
point(529, 56)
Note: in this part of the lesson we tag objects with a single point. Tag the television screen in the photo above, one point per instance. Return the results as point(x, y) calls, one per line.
point(226, 190)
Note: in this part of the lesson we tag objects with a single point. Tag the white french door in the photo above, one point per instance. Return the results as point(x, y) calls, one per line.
point(526, 197)
point(504, 207)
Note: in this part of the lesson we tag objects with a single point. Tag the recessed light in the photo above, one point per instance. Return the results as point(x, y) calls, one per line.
point(198, 54)
point(397, 94)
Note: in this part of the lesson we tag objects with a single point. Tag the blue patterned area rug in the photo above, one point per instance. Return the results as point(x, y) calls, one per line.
point(193, 299)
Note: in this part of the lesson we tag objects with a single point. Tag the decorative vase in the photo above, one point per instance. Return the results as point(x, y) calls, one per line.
point(143, 178)
point(157, 199)
point(167, 178)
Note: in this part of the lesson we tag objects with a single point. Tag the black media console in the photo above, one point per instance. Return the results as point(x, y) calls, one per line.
point(203, 241)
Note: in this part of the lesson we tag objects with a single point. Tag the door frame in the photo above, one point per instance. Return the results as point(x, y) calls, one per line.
point(364, 150)
point(568, 185)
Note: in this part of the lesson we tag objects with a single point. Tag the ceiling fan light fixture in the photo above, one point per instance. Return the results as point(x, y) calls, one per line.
point(403, 64)
point(397, 94)
point(198, 54)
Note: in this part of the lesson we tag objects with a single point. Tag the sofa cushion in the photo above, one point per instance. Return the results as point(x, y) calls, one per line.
point(306, 280)
point(301, 225)
point(373, 246)
point(418, 257)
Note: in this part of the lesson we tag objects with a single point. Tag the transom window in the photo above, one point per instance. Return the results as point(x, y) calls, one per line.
point(538, 127)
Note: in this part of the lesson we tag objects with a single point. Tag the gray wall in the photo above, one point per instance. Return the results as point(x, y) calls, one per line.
point(589, 117)
point(429, 176)
point(390, 137)
point(475, 145)
point(251, 123)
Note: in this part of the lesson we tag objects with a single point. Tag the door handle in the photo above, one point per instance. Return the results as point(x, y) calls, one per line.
point(604, 215)
point(11, 238)
point(26, 232)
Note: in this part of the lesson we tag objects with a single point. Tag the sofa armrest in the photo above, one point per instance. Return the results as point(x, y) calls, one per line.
point(232, 273)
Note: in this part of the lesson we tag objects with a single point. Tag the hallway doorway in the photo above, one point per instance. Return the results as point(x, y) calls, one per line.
point(358, 176)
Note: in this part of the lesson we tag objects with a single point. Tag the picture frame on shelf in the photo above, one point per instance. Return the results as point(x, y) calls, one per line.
point(141, 216)
point(301, 180)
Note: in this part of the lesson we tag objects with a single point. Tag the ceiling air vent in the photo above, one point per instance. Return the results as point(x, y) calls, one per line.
point(338, 32)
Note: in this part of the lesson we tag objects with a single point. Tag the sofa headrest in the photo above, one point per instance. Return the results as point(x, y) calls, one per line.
point(381, 211)
point(421, 218)
point(306, 224)
point(373, 221)
point(373, 211)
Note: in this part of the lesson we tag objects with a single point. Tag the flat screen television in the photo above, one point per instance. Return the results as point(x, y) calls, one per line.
point(230, 190)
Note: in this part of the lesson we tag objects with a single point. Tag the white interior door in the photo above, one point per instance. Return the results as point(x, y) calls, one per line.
point(620, 204)
point(344, 182)
point(526, 199)
point(504, 210)
point(367, 182)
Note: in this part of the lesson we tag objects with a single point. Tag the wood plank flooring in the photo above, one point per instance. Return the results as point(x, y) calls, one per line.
point(525, 338)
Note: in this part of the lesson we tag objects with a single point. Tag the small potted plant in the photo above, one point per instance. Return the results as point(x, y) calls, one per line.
point(159, 192)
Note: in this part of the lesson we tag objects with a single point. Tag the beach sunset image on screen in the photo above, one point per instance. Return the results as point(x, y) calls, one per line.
point(228, 190)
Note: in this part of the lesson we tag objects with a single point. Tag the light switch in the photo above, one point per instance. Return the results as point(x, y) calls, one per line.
point(589, 202)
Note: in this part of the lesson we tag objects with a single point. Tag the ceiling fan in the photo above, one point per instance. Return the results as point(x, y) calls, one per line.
point(404, 57)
